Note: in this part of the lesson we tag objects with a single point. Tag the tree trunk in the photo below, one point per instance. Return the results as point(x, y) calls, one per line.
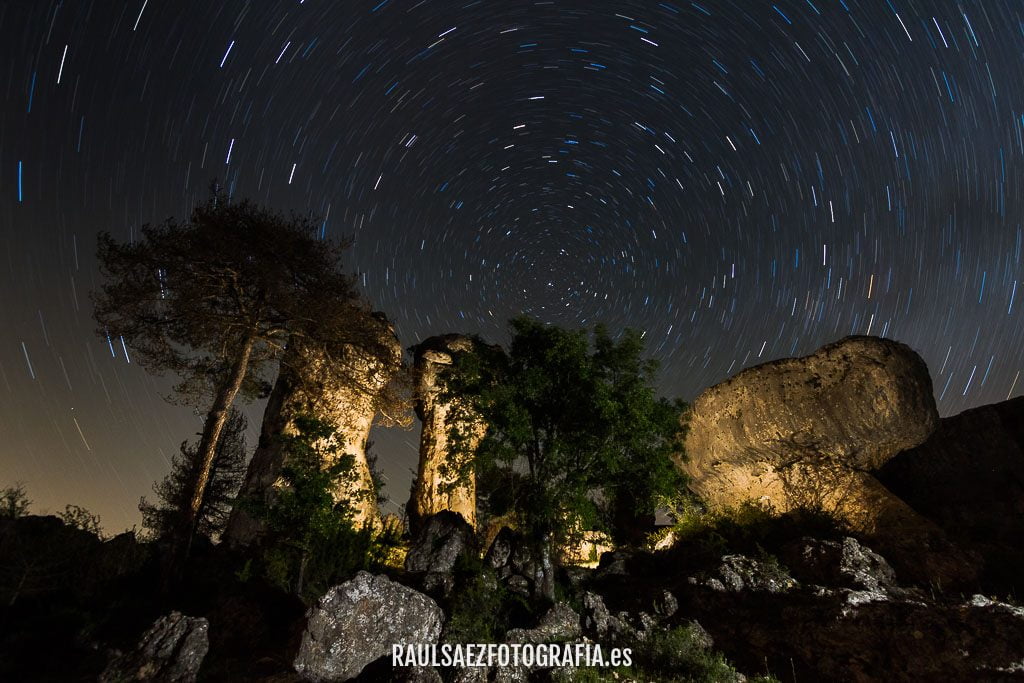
point(301, 578)
point(544, 583)
point(215, 421)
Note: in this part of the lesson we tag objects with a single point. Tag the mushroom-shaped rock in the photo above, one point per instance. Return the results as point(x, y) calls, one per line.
point(341, 386)
point(438, 486)
point(357, 622)
point(806, 432)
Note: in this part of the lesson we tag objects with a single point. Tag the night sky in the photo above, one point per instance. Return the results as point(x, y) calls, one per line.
point(742, 180)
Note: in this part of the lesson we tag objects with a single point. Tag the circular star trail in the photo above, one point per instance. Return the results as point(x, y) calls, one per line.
point(741, 181)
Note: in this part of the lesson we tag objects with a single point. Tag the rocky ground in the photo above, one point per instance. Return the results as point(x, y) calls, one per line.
point(845, 534)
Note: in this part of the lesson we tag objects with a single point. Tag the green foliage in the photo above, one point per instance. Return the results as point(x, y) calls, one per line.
point(78, 517)
point(311, 543)
point(678, 655)
point(481, 609)
point(748, 528)
point(576, 436)
point(14, 501)
point(174, 492)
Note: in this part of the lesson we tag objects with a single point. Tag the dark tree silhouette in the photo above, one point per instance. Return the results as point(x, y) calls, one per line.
point(174, 492)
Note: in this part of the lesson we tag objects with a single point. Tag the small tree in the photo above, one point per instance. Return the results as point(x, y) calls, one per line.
point(14, 501)
point(174, 492)
point(310, 542)
point(78, 517)
point(576, 438)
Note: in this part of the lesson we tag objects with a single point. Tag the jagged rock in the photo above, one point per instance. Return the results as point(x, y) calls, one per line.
point(500, 552)
point(738, 573)
point(440, 464)
point(802, 433)
point(968, 478)
point(838, 563)
point(515, 563)
point(443, 538)
point(595, 615)
point(559, 624)
point(340, 386)
point(358, 621)
point(862, 635)
point(171, 651)
point(665, 604)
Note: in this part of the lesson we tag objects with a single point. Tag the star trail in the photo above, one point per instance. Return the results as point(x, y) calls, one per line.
point(740, 180)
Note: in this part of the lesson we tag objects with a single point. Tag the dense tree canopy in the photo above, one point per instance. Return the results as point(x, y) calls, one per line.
point(576, 437)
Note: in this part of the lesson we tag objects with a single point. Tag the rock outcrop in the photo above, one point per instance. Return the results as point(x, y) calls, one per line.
point(341, 388)
point(171, 651)
point(968, 478)
point(806, 433)
point(439, 467)
point(358, 621)
point(443, 538)
point(861, 634)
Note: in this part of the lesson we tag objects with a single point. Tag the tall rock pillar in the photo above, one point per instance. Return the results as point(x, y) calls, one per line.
point(434, 489)
point(340, 386)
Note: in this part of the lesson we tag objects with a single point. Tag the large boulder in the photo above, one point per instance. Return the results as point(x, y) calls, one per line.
point(804, 433)
point(171, 651)
point(968, 478)
point(358, 621)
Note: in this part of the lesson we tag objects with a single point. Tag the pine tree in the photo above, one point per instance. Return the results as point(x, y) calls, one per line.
point(174, 492)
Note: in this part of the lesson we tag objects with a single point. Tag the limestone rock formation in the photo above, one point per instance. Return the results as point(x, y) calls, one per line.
point(341, 387)
point(171, 651)
point(806, 432)
point(968, 478)
point(358, 621)
point(439, 465)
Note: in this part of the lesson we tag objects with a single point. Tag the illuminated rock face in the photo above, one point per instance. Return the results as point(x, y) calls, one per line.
point(439, 464)
point(807, 432)
point(340, 389)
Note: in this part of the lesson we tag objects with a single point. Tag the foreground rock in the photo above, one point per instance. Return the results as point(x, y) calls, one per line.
point(171, 651)
point(842, 563)
point(805, 432)
point(357, 622)
point(864, 635)
point(444, 538)
point(968, 478)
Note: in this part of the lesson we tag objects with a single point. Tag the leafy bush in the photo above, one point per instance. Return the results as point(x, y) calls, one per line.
point(749, 528)
point(678, 655)
point(481, 609)
point(78, 517)
point(311, 542)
